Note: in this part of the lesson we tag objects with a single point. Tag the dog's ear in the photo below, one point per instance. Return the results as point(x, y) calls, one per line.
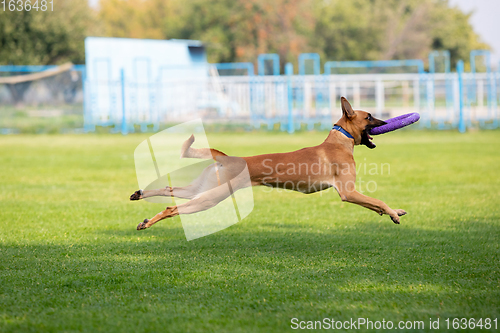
point(346, 107)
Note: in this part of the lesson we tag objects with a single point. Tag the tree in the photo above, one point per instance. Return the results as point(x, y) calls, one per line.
point(137, 18)
point(347, 30)
point(239, 30)
point(392, 29)
point(452, 31)
point(234, 30)
point(45, 37)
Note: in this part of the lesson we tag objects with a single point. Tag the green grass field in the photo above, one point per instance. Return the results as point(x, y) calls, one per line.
point(73, 261)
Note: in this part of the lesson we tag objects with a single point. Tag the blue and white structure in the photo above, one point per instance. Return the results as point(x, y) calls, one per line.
point(136, 81)
point(131, 83)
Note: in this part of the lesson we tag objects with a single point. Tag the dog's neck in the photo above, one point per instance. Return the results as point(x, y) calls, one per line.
point(343, 131)
point(338, 138)
point(349, 128)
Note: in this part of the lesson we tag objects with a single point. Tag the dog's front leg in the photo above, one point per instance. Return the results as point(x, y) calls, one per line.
point(374, 204)
point(345, 188)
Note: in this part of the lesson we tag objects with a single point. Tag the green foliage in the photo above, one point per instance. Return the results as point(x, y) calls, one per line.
point(45, 37)
point(347, 30)
point(337, 29)
point(395, 29)
point(240, 30)
point(136, 18)
point(452, 31)
point(73, 261)
point(233, 30)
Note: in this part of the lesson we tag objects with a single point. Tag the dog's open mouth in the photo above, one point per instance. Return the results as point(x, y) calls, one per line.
point(366, 139)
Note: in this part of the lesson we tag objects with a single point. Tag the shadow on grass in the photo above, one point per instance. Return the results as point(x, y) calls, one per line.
point(242, 279)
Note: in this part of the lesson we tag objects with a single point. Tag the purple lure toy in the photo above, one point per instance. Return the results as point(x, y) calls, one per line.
point(396, 123)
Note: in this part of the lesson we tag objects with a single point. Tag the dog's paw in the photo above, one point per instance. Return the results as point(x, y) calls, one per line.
point(395, 219)
point(142, 225)
point(400, 212)
point(394, 216)
point(137, 195)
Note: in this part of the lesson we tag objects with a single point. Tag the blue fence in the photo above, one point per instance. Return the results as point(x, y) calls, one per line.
point(232, 92)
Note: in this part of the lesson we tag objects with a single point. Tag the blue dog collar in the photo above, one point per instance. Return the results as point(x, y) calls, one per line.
point(343, 131)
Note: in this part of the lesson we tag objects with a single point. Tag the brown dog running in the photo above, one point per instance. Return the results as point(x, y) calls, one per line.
point(333, 161)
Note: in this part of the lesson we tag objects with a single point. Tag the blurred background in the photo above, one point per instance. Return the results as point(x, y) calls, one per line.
point(140, 65)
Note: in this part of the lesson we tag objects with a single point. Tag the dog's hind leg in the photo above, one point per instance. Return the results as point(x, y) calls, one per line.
point(203, 202)
point(203, 153)
point(233, 179)
point(186, 192)
point(209, 178)
point(199, 184)
point(142, 194)
point(224, 169)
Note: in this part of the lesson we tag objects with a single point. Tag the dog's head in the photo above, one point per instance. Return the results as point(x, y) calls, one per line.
point(358, 123)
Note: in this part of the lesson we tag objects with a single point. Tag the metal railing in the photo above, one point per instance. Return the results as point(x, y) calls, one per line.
point(232, 92)
point(310, 100)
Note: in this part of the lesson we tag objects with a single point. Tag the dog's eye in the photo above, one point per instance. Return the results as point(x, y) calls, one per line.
point(369, 117)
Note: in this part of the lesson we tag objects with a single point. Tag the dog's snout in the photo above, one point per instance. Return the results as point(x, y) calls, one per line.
point(377, 123)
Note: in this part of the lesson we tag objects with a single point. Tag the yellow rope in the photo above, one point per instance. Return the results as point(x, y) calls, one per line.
point(36, 76)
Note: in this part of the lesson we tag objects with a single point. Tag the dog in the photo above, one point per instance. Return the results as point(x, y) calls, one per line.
point(333, 159)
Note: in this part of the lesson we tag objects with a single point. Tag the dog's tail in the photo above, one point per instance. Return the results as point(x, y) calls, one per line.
point(203, 153)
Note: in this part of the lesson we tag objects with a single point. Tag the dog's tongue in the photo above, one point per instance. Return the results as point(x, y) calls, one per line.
point(366, 140)
point(370, 144)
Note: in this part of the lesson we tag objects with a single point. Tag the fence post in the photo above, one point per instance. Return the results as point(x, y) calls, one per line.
point(493, 95)
point(460, 72)
point(379, 97)
point(88, 121)
point(124, 116)
point(429, 84)
point(289, 73)
point(268, 56)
